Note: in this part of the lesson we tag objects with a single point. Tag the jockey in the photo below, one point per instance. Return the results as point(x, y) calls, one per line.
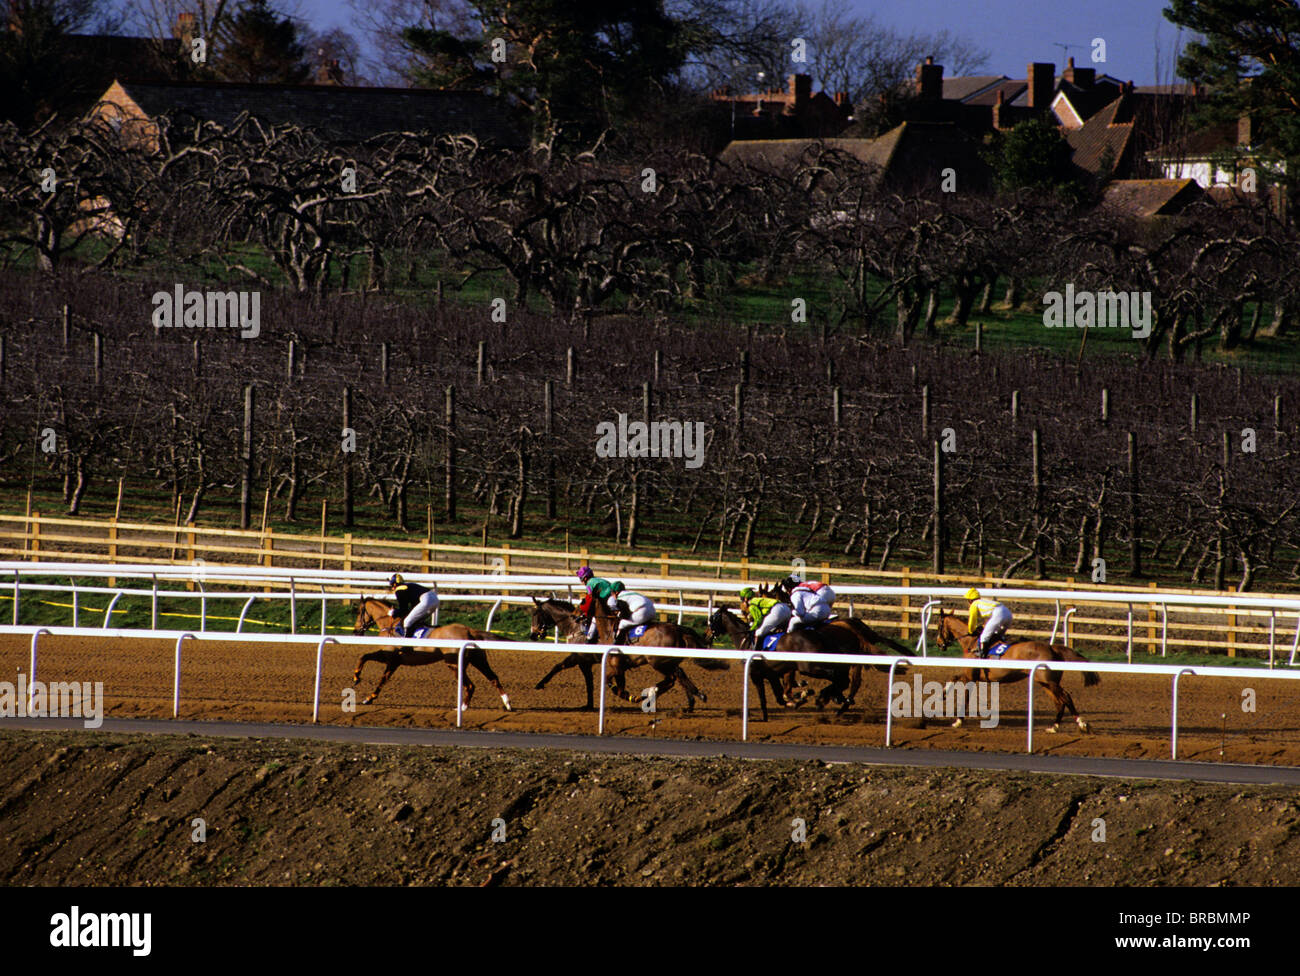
point(633, 610)
point(994, 617)
point(765, 614)
point(810, 603)
point(414, 604)
point(600, 589)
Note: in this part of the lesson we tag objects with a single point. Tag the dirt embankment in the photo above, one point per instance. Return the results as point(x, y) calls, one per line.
point(81, 808)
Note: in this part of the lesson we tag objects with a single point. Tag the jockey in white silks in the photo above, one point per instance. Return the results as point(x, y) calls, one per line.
point(810, 605)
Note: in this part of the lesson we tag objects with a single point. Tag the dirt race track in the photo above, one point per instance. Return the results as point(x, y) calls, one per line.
point(1129, 716)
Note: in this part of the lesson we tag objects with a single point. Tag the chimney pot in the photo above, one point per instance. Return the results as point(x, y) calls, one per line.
point(1041, 80)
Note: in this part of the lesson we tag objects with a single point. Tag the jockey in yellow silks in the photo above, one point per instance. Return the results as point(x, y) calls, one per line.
point(988, 618)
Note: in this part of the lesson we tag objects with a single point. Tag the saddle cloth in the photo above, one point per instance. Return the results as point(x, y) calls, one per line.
point(998, 649)
point(634, 634)
point(769, 642)
point(419, 632)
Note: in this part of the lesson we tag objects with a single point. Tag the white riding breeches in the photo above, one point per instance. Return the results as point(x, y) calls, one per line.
point(809, 608)
point(777, 618)
point(427, 607)
point(640, 611)
point(999, 620)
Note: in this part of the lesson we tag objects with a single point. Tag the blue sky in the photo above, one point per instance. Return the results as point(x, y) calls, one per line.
point(1014, 32)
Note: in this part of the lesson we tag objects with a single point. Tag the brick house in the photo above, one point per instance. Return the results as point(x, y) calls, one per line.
point(794, 112)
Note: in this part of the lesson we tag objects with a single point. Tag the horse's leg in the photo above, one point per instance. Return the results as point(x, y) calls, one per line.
point(757, 677)
point(855, 684)
point(587, 666)
point(392, 660)
point(570, 661)
point(468, 690)
point(1063, 701)
point(688, 686)
point(361, 662)
point(478, 658)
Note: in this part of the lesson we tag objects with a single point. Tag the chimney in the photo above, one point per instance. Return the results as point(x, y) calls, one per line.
point(999, 107)
point(329, 72)
point(1083, 78)
point(185, 28)
point(800, 89)
point(1041, 77)
point(929, 80)
point(1245, 131)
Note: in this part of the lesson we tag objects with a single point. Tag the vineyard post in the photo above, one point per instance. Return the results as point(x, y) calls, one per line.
point(449, 496)
point(246, 455)
point(938, 510)
point(347, 460)
point(548, 418)
point(1134, 523)
point(1038, 504)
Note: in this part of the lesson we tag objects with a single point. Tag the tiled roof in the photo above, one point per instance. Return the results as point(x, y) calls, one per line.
point(338, 112)
point(1104, 138)
point(961, 89)
point(1150, 198)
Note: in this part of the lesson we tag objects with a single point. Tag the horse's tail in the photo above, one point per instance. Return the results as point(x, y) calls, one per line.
point(487, 635)
point(1090, 678)
point(873, 636)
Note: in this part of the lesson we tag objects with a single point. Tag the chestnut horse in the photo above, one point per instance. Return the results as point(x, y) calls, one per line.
point(952, 630)
point(380, 614)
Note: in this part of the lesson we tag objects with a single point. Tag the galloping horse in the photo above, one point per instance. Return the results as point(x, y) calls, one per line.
point(561, 614)
point(380, 614)
point(952, 630)
point(658, 634)
point(849, 635)
point(802, 641)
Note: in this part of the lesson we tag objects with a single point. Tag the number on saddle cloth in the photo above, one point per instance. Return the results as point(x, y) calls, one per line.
point(769, 642)
point(998, 649)
point(634, 634)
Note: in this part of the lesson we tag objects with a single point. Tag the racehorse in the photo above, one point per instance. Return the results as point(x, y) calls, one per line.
point(380, 614)
point(561, 614)
point(952, 630)
point(861, 638)
point(658, 634)
point(801, 641)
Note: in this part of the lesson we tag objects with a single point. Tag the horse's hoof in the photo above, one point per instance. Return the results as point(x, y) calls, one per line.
point(505, 700)
point(704, 698)
point(540, 686)
point(1083, 726)
point(368, 700)
point(956, 723)
point(1055, 728)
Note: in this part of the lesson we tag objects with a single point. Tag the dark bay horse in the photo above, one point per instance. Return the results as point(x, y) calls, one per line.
point(841, 640)
point(658, 634)
point(376, 612)
point(562, 615)
point(952, 630)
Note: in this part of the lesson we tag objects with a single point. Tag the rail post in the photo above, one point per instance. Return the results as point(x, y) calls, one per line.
point(1055, 622)
point(153, 606)
point(744, 697)
point(293, 606)
point(239, 627)
point(31, 669)
point(320, 660)
point(889, 712)
point(1065, 625)
point(1130, 633)
point(108, 614)
point(176, 679)
point(604, 660)
point(1173, 723)
point(203, 606)
point(16, 589)
point(922, 643)
point(1164, 629)
point(76, 603)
